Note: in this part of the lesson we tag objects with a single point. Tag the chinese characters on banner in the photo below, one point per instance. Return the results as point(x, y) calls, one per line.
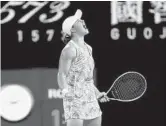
point(126, 12)
point(159, 11)
point(132, 12)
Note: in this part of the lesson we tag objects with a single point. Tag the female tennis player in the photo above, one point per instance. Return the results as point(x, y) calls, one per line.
point(75, 75)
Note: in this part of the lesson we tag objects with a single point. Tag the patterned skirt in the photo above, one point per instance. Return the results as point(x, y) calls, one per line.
point(80, 102)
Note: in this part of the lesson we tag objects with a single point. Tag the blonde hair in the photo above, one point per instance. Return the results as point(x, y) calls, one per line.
point(65, 37)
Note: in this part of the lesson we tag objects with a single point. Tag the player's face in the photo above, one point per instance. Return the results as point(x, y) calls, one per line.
point(80, 27)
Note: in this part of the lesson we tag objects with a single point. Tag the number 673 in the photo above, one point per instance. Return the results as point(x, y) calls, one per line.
point(56, 7)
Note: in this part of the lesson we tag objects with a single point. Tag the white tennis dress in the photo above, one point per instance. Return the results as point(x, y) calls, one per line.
point(80, 102)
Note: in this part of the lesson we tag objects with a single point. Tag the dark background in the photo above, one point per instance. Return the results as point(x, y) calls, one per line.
point(112, 57)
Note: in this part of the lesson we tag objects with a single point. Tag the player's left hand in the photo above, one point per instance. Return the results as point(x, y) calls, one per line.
point(102, 97)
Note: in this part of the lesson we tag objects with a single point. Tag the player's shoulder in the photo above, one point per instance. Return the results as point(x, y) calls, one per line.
point(88, 46)
point(69, 51)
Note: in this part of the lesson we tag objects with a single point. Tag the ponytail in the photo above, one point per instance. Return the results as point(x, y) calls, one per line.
point(65, 37)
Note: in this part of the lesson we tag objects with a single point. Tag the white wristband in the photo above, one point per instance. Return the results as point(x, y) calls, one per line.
point(64, 91)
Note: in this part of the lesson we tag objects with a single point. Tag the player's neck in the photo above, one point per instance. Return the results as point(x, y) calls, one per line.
point(78, 39)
